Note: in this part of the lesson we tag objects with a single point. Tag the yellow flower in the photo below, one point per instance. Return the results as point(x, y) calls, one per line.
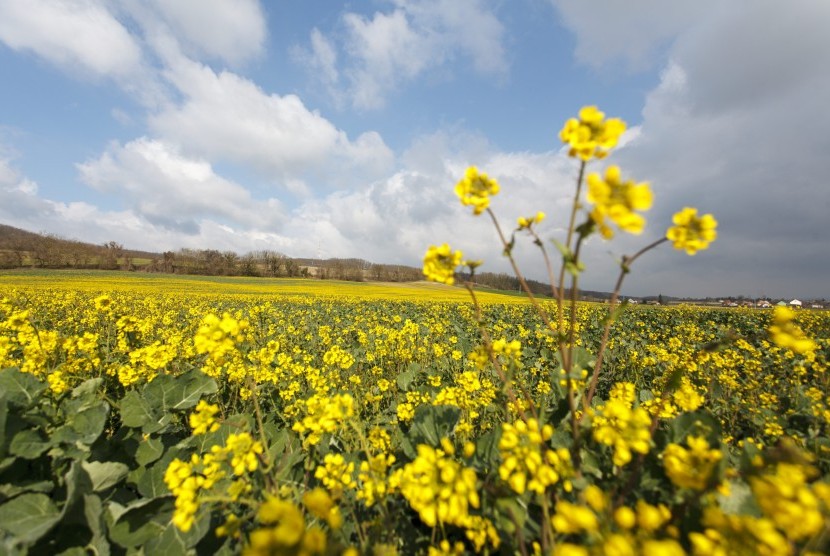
point(622, 426)
point(439, 488)
point(475, 189)
point(528, 221)
point(617, 200)
point(244, 451)
point(786, 334)
point(787, 499)
point(440, 264)
point(692, 232)
point(526, 464)
point(572, 519)
point(202, 420)
point(591, 136)
point(691, 468)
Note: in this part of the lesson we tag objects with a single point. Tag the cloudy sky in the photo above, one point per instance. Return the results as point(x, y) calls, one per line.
point(340, 129)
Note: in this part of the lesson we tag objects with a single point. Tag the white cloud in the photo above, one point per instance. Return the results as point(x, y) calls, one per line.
point(173, 191)
point(227, 117)
point(388, 49)
point(232, 31)
point(72, 34)
point(633, 31)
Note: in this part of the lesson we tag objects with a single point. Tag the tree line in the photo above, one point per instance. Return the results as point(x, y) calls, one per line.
point(23, 249)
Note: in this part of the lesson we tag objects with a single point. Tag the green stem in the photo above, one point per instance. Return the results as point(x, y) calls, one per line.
point(626, 263)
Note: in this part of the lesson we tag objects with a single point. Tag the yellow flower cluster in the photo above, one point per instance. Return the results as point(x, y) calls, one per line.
point(784, 332)
point(186, 480)
point(691, 468)
point(475, 189)
point(726, 534)
point(617, 200)
point(621, 425)
point(591, 136)
point(203, 419)
point(526, 462)
point(439, 488)
point(243, 451)
point(336, 474)
point(440, 264)
point(324, 415)
point(285, 531)
point(525, 222)
point(787, 499)
point(373, 478)
point(692, 232)
point(217, 337)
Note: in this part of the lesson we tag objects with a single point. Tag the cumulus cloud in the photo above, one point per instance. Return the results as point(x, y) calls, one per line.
point(228, 31)
point(224, 116)
point(76, 34)
point(381, 52)
point(172, 191)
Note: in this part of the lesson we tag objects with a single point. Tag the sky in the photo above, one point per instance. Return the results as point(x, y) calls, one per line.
point(327, 129)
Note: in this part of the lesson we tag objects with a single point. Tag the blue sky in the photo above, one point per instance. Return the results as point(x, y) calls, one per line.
point(340, 129)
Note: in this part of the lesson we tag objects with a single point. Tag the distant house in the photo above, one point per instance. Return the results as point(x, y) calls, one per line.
point(781, 303)
point(795, 303)
point(816, 306)
point(764, 304)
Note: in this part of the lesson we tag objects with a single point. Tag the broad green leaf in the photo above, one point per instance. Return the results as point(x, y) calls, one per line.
point(406, 378)
point(195, 384)
point(136, 412)
point(151, 484)
point(173, 542)
point(28, 444)
point(88, 387)
point(78, 484)
point(432, 423)
point(139, 523)
point(29, 517)
point(149, 451)
point(21, 389)
point(168, 392)
point(104, 474)
point(94, 513)
point(84, 425)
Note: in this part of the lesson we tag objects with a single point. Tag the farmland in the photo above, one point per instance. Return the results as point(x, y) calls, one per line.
point(228, 415)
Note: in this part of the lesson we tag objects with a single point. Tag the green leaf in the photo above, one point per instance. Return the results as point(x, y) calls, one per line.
point(88, 388)
point(151, 484)
point(21, 389)
point(104, 474)
point(173, 542)
point(149, 451)
point(168, 392)
point(136, 412)
point(28, 444)
point(432, 423)
point(94, 513)
point(84, 422)
point(27, 518)
point(406, 378)
point(78, 484)
point(138, 523)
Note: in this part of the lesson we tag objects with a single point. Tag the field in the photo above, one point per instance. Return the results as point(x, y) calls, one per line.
point(152, 414)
